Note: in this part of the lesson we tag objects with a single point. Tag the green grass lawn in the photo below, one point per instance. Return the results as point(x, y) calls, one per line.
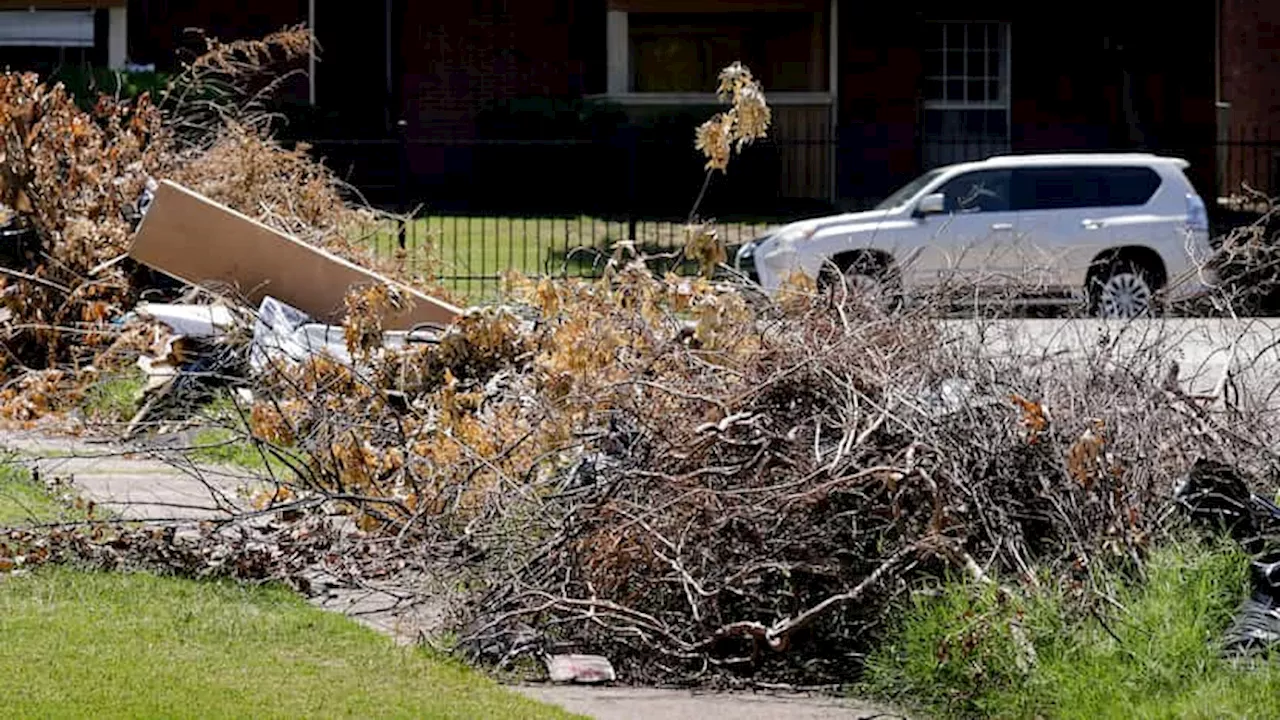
point(116, 397)
point(23, 501)
point(225, 446)
point(103, 645)
point(76, 644)
point(1152, 655)
point(225, 439)
point(465, 248)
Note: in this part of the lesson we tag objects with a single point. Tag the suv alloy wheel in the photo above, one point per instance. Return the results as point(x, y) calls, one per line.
point(1123, 292)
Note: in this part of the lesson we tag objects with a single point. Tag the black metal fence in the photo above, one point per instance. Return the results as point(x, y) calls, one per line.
point(470, 253)
point(1247, 162)
point(484, 207)
point(561, 206)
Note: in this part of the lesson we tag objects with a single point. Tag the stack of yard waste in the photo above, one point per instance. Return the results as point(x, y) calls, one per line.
point(655, 470)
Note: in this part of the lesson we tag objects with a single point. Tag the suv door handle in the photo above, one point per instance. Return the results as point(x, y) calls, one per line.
point(1090, 224)
point(1001, 226)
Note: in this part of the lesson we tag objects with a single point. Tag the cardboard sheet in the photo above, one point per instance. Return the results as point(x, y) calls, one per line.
point(199, 241)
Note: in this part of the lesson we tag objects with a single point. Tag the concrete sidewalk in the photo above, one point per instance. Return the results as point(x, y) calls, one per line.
point(626, 703)
point(131, 482)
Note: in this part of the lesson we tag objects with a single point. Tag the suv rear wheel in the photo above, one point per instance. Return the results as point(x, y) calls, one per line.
point(1122, 291)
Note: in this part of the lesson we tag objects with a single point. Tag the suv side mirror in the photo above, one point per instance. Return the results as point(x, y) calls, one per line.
point(934, 204)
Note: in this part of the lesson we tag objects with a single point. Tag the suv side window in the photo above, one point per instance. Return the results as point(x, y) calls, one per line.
point(1056, 188)
point(1082, 187)
point(1130, 185)
point(978, 191)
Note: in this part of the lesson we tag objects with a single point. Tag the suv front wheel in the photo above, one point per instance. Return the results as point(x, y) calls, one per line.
point(866, 279)
point(1122, 291)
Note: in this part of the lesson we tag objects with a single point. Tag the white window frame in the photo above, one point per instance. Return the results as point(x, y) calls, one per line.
point(1004, 79)
point(618, 84)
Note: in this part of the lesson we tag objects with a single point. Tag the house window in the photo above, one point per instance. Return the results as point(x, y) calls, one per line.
point(491, 9)
point(684, 52)
point(966, 91)
point(46, 28)
point(44, 40)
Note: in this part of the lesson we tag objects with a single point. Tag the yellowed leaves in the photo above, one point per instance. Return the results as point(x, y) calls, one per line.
point(264, 499)
point(703, 245)
point(1084, 457)
point(797, 292)
point(746, 121)
point(714, 139)
point(38, 394)
point(366, 309)
point(359, 465)
point(1035, 421)
point(275, 422)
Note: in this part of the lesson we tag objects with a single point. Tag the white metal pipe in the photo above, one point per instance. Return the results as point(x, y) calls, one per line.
point(117, 37)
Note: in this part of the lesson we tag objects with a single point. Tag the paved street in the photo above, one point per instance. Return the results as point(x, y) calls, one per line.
point(1203, 349)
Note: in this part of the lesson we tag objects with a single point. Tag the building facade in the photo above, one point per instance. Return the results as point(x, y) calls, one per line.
point(865, 96)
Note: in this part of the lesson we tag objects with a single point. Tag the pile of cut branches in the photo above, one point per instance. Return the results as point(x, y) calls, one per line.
point(653, 468)
point(700, 484)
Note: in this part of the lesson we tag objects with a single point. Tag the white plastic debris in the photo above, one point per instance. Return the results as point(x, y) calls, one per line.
point(285, 334)
point(277, 336)
point(953, 395)
point(580, 669)
point(196, 321)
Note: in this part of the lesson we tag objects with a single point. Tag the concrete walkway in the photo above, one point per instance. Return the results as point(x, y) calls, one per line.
point(622, 703)
point(129, 482)
point(136, 486)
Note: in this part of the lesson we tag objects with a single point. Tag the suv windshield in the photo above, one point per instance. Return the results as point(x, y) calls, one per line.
point(906, 192)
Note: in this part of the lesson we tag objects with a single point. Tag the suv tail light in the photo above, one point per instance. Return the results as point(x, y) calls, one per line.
point(1197, 214)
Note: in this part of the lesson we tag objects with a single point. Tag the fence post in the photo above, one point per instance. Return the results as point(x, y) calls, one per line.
point(402, 144)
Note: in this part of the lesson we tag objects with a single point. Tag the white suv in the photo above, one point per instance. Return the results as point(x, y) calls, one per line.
point(1113, 230)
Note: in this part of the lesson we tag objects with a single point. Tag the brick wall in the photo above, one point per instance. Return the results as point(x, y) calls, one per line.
point(1251, 62)
point(1250, 66)
point(879, 78)
point(458, 57)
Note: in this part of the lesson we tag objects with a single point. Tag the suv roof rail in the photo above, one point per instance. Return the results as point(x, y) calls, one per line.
point(1072, 153)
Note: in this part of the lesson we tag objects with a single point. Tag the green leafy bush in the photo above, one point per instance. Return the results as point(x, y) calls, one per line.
point(86, 83)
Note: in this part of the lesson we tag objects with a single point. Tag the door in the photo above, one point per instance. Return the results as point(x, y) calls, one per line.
point(962, 245)
point(1068, 216)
